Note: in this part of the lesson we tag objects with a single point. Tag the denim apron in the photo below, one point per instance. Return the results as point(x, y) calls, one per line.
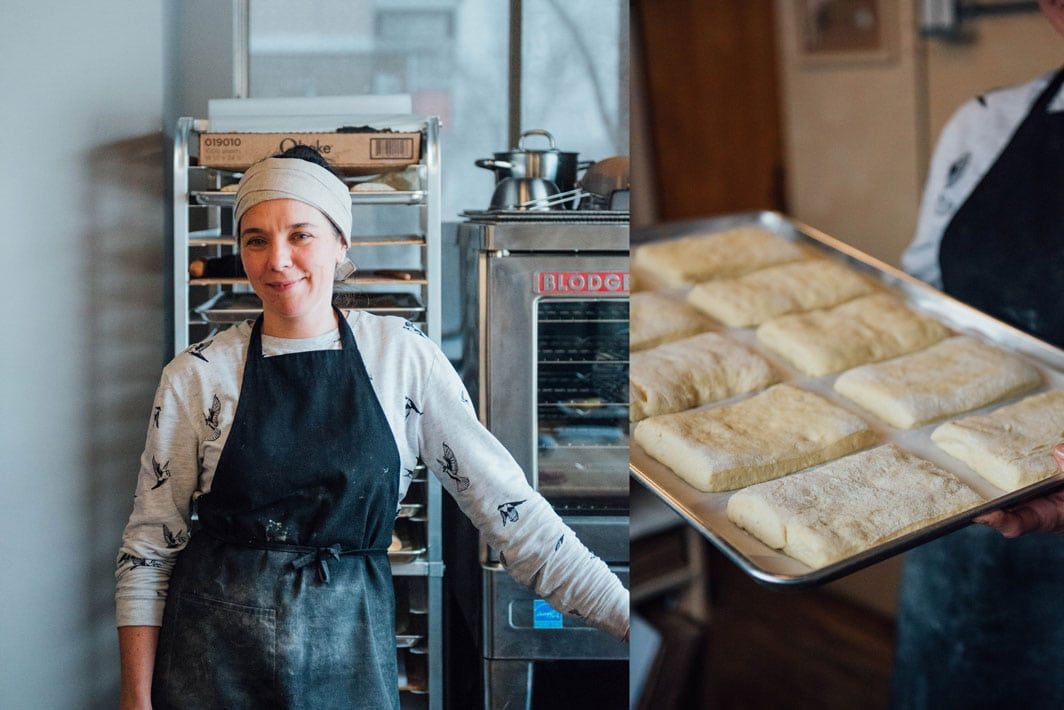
point(283, 598)
point(981, 618)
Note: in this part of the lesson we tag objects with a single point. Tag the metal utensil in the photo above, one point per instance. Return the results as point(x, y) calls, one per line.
point(522, 194)
point(567, 199)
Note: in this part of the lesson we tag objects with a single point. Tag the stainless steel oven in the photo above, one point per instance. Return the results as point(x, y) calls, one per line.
point(546, 358)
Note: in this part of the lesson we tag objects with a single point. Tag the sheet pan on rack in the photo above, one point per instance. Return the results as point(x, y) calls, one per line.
point(706, 511)
point(233, 308)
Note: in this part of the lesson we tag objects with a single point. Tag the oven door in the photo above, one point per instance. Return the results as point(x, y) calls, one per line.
point(554, 381)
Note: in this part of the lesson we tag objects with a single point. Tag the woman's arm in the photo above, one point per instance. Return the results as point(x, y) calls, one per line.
point(136, 645)
point(156, 532)
point(158, 527)
point(537, 548)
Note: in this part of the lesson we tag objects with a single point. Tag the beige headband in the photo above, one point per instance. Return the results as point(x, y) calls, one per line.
point(296, 179)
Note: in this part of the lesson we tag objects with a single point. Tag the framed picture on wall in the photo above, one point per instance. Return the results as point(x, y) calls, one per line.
point(846, 31)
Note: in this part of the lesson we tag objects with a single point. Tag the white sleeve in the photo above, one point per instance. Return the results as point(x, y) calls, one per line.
point(158, 526)
point(951, 171)
point(537, 548)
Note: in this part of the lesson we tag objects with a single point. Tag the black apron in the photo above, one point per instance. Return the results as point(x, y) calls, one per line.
point(981, 618)
point(283, 598)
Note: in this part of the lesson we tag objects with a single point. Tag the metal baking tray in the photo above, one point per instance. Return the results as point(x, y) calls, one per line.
point(554, 215)
point(362, 277)
point(212, 198)
point(378, 277)
point(410, 510)
point(412, 673)
point(406, 554)
point(706, 511)
point(214, 238)
point(411, 539)
point(233, 308)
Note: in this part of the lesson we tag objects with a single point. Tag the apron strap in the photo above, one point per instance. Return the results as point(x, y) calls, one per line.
point(254, 353)
point(307, 554)
point(321, 555)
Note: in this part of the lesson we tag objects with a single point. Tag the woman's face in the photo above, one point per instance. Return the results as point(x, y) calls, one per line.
point(290, 251)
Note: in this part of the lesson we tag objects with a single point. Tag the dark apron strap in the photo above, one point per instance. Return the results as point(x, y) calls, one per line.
point(307, 554)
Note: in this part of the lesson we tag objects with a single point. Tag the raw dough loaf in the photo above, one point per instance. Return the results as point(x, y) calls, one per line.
point(868, 329)
point(1011, 447)
point(657, 319)
point(955, 375)
point(371, 187)
point(839, 509)
point(791, 288)
point(782, 430)
point(701, 257)
point(694, 371)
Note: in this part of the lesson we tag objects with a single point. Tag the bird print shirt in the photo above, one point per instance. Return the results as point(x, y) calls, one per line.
point(969, 146)
point(431, 418)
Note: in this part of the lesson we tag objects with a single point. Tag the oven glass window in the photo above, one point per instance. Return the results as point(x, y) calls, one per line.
point(582, 403)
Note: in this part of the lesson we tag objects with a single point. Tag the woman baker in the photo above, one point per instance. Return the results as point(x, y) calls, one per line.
point(980, 620)
point(295, 437)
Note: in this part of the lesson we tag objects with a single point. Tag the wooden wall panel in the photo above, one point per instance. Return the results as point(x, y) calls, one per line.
point(713, 105)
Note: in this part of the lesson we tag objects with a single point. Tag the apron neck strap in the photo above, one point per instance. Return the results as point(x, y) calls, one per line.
point(347, 338)
point(1041, 104)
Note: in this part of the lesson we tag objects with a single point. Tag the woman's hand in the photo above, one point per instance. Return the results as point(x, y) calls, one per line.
point(1044, 514)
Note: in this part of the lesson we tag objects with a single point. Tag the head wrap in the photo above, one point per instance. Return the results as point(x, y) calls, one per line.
point(296, 179)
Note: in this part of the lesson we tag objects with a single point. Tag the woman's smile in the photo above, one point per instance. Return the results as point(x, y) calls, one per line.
point(283, 285)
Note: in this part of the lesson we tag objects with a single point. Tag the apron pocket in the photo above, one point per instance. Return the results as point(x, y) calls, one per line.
point(222, 654)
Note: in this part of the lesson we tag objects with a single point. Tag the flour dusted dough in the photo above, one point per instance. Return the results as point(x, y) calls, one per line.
point(701, 257)
point(657, 319)
point(774, 433)
point(371, 187)
point(839, 509)
point(791, 288)
point(694, 371)
point(868, 329)
point(1011, 447)
point(952, 376)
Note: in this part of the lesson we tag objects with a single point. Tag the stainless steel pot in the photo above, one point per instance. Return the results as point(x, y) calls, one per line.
point(523, 194)
point(558, 166)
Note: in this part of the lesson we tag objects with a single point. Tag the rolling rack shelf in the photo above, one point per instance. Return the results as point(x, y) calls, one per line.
point(203, 226)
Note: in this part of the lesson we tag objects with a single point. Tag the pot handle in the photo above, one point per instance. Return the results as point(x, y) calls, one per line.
point(584, 164)
point(488, 164)
point(535, 132)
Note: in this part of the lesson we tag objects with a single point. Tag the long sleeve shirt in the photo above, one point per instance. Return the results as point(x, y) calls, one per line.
point(430, 416)
point(969, 145)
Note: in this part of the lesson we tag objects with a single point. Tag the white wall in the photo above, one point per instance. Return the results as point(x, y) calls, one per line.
point(853, 148)
point(1000, 51)
point(83, 228)
point(201, 33)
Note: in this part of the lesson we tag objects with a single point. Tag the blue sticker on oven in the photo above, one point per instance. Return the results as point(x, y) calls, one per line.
point(544, 617)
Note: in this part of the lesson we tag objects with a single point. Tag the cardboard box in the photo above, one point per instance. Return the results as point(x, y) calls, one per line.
point(348, 152)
